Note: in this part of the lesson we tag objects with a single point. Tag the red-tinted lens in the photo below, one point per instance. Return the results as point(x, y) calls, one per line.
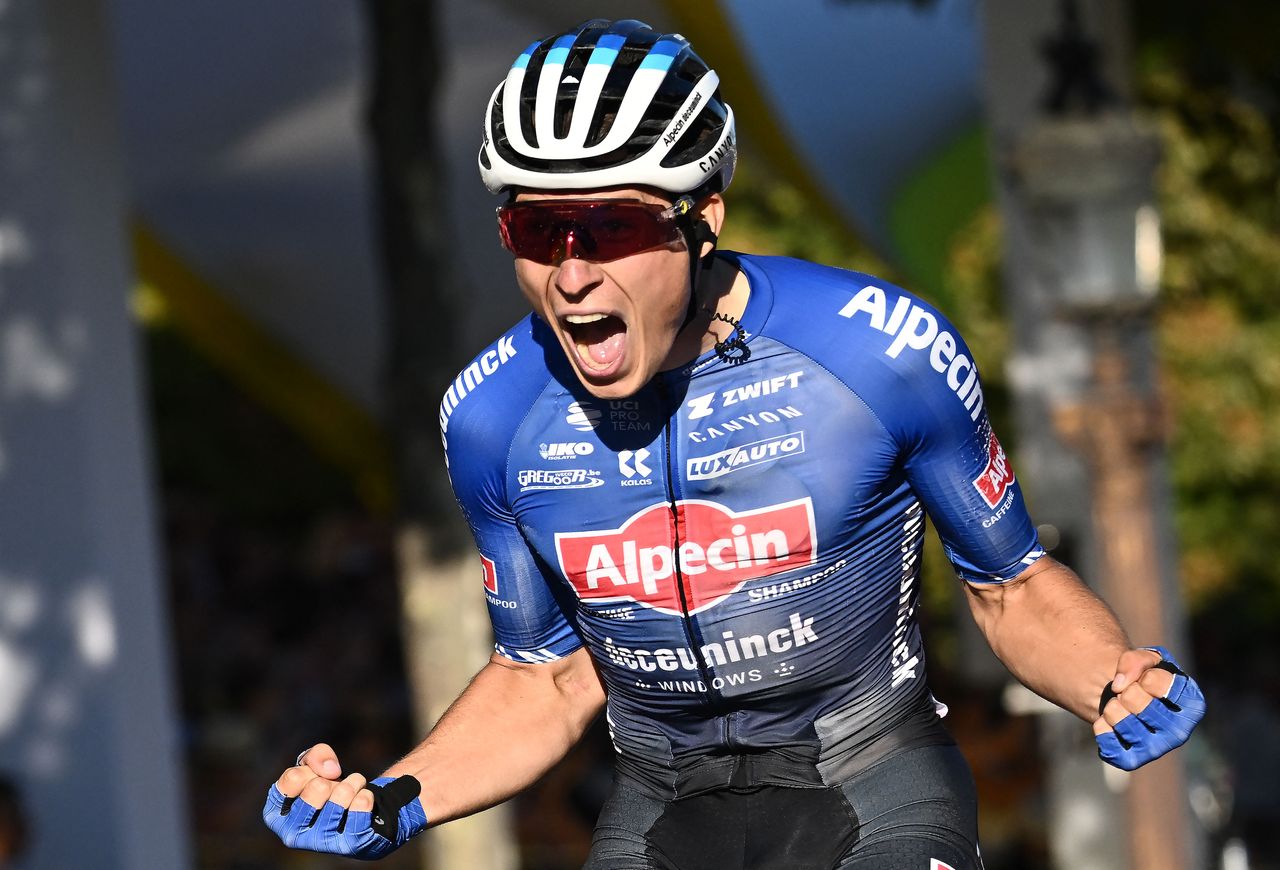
point(600, 230)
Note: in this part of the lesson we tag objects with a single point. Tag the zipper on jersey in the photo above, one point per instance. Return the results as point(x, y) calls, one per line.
point(704, 670)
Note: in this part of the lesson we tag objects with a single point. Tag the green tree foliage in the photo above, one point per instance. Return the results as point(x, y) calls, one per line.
point(1220, 323)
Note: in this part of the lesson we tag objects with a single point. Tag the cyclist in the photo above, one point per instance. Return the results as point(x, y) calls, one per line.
point(698, 483)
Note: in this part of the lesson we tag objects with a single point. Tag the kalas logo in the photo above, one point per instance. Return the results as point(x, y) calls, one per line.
point(721, 550)
point(996, 477)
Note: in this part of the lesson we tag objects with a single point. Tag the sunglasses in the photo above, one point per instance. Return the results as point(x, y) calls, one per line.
point(549, 231)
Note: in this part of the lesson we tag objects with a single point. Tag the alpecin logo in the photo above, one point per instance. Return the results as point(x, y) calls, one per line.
point(721, 550)
point(996, 477)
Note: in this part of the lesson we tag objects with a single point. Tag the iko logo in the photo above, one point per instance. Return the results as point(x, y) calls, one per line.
point(914, 327)
point(702, 406)
point(935, 864)
point(721, 550)
point(583, 416)
point(566, 449)
point(559, 478)
point(634, 471)
point(996, 477)
point(736, 458)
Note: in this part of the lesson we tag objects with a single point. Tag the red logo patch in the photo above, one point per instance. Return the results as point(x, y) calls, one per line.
point(996, 477)
point(490, 574)
point(720, 549)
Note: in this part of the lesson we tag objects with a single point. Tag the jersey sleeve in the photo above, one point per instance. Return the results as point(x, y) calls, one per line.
point(925, 389)
point(953, 459)
point(532, 620)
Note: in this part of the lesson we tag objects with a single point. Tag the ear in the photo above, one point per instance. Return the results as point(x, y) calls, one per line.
point(712, 212)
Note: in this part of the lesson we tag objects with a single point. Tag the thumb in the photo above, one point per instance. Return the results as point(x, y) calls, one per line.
point(323, 761)
point(1132, 665)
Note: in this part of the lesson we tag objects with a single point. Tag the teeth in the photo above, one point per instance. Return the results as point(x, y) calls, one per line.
point(578, 319)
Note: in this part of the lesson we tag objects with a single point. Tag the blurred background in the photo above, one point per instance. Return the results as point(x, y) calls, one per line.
point(244, 249)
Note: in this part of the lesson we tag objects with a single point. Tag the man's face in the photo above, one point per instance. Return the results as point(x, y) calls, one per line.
point(616, 321)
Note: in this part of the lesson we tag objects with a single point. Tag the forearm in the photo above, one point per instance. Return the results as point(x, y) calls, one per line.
point(510, 725)
point(1053, 633)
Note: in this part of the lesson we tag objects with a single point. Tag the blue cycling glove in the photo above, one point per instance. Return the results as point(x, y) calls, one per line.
point(397, 815)
point(1164, 724)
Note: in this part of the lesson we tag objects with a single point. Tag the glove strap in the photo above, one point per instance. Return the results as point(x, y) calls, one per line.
point(388, 799)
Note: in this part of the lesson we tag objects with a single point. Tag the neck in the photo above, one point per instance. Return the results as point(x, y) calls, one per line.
point(721, 290)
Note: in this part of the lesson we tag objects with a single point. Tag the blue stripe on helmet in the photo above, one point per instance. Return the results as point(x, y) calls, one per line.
point(606, 50)
point(556, 56)
point(661, 55)
point(523, 60)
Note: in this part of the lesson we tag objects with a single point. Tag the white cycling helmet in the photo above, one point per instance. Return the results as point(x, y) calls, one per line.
point(609, 103)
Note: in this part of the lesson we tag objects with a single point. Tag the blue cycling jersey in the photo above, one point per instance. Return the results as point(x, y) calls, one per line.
point(738, 544)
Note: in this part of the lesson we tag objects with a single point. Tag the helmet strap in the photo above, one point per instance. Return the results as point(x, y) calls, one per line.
point(696, 234)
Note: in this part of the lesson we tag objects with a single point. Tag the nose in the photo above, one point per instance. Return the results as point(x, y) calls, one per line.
point(576, 276)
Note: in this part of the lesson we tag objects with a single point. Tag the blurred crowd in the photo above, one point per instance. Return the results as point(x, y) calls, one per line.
point(283, 640)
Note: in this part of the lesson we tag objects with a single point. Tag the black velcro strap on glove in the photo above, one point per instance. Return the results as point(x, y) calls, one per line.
point(1108, 693)
point(388, 800)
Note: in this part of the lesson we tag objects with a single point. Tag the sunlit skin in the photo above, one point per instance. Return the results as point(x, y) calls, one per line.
point(648, 292)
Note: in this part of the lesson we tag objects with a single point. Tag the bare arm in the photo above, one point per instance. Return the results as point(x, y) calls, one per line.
point(511, 724)
point(1054, 634)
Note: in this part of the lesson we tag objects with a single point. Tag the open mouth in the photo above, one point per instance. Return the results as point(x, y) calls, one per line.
point(599, 339)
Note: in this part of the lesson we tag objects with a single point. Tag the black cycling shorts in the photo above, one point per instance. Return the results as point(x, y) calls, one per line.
point(914, 809)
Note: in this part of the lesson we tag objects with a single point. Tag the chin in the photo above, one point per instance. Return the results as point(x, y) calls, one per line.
point(620, 386)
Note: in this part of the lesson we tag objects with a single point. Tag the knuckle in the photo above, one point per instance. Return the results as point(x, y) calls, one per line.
point(1157, 682)
point(1135, 696)
point(363, 801)
point(316, 792)
point(292, 780)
